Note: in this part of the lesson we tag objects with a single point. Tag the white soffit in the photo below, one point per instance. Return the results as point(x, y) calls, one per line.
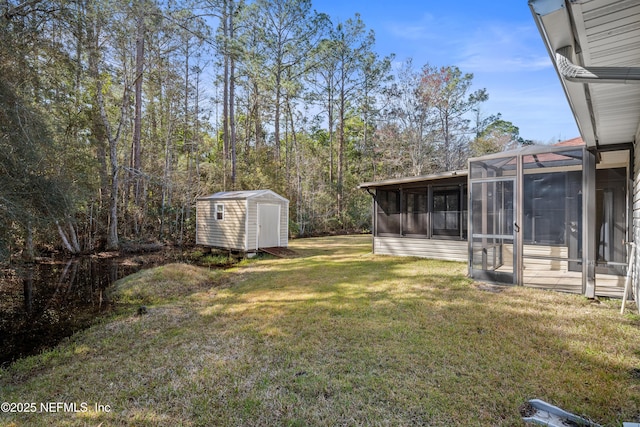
point(602, 33)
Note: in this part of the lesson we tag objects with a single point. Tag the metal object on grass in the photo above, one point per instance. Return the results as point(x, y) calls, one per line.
point(537, 411)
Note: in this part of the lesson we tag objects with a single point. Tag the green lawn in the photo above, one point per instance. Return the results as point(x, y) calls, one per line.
point(335, 336)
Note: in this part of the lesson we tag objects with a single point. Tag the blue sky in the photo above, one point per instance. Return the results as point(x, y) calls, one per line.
point(497, 41)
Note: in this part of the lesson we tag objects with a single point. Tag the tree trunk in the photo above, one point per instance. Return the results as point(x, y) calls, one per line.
point(112, 238)
point(341, 151)
point(225, 96)
point(73, 248)
point(276, 123)
point(137, 121)
point(29, 254)
point(74, 237)
point(187, 138)
point(196, 136)
point(232, 100)
point(112, 234)
point(331, 155)
point(166, 186)
point(256, 116)
point(290, 141)
point(97, 126)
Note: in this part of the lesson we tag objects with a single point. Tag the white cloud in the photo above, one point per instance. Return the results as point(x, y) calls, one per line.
point(501, 47)
point(424, 29)
point(482, 62)
point(538, 108)
point(474, 46)
point(507, 58)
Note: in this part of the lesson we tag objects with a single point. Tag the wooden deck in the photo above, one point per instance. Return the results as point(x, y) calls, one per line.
point(545, 267)
point(553, 273)
point(571, 281)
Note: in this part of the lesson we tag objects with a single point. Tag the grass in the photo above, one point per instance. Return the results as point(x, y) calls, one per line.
point(335, 336)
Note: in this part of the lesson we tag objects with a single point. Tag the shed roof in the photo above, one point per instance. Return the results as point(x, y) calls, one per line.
point(241, 195)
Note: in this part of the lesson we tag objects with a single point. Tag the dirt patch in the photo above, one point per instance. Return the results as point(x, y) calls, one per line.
point(527, 410)
point(280, 252)
point(490, 288)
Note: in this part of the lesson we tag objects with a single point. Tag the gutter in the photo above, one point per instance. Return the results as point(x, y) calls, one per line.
point(558, 14)
point(576, 73)
point(539, 10)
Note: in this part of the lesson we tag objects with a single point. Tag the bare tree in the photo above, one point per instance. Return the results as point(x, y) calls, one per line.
point(447, 89)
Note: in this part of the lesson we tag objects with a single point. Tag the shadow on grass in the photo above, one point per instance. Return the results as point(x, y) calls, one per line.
point(492, 351)
point(344, 338)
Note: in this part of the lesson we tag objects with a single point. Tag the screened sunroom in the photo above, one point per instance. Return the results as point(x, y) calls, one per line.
point(592, 45)
point(553, 217)
point(424, 216)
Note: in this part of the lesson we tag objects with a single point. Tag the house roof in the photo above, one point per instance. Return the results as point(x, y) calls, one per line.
point(593, 45)
point(539, 150)
point(562, 154)
point(557, 154)
point(241, 195)
point(532, 153)
point(414, 179)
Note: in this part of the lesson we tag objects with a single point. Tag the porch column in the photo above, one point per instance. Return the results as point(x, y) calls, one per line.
point(429, 211)
point(403, 212)
point(518, 243)
point(589, 224)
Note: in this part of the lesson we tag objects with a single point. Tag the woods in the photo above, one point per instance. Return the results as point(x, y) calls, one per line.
point(115, 116)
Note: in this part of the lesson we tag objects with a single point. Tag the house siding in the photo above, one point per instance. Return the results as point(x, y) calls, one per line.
point(448, 250)
point(636, 210)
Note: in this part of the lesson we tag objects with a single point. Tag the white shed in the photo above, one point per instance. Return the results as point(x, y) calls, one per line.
point(242, 220)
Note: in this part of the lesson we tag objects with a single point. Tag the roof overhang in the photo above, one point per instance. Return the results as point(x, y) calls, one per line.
point(595, 48)
point(242, 195)
point(442, 176)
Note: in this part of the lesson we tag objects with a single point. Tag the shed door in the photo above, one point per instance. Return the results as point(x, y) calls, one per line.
point(268, 225)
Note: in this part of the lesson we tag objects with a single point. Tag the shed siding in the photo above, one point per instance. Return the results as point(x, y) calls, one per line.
point(449, 250)
point(228, 233)
point(252, 224)
point(203, 218)
point(284, 225)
